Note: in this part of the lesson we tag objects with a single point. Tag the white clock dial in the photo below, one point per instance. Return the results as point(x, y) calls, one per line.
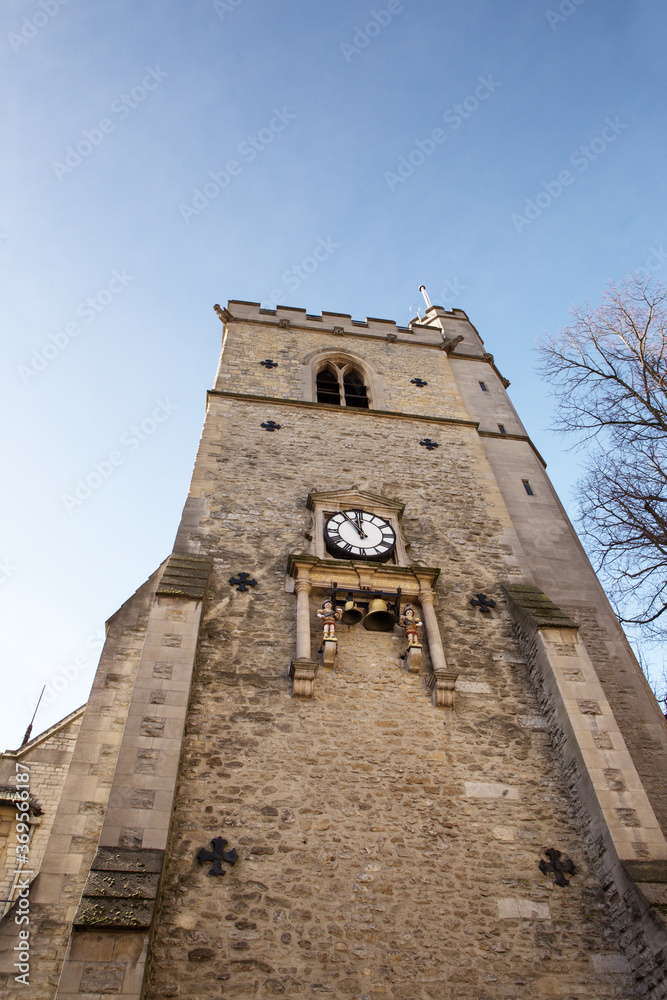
point(358, 534)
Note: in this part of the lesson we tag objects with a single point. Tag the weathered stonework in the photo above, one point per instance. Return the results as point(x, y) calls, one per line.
point(386, 847)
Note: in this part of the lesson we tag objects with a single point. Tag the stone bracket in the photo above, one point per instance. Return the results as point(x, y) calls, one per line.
point(303, 673)
point(329, 647)
point(413, 658)
point(441, 684)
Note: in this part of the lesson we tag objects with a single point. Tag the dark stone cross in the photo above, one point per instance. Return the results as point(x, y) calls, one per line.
point(242, 581)
point(427, 443)
point(271, 425)
point(483, 602)
point(269, 363)
point(217, 856)
point(419, 382)
point(556, 866)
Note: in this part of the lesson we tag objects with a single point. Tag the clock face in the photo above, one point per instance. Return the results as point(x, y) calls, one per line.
point(357, 534)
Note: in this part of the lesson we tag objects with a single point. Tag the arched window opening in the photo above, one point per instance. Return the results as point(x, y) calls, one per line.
point(355, 390)
point(328, 390)
point(341, 385)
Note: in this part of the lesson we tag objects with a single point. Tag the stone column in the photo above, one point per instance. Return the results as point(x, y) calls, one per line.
point(303, 670)
point(302, 588)
point(442, 681)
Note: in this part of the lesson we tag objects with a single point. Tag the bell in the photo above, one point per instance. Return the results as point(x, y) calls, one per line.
point(352, 615)
point(378, 618)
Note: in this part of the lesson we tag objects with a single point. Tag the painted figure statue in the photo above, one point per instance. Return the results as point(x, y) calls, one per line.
point(410, 624)
point(329, 618)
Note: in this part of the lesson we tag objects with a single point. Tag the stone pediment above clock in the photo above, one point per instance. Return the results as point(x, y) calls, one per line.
point(326, 503)
point(354, 497)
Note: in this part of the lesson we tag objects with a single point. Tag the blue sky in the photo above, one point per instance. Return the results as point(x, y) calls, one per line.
point(117, 113)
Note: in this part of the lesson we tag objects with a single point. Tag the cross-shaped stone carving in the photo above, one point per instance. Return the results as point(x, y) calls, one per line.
point(242, 581)
point(217, 856)
point(427, 443)
point(271, 425)
point(269, 363)
point(557, 866)
point(419, 382)
point(483, 602)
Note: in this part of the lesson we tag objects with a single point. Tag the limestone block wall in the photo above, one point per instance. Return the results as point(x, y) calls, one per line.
point(46, 759)
point(559, 565)
point(387, 848)
point(396, 364)
point(623, 835)
point(55, 893)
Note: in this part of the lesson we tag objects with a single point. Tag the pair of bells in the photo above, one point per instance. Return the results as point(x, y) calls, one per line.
point(377, 619)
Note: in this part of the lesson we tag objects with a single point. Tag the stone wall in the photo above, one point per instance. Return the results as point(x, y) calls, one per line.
point(387, 848)
point(46, 759)
point(55, 893)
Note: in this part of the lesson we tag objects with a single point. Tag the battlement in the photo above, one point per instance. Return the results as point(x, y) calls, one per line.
point(429, 329)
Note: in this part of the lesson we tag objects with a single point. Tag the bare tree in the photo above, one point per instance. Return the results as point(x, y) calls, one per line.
point(608, 371)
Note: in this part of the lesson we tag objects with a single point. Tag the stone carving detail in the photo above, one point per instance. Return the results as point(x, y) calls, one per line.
point(224, 315)
point(284, 323)
point(505, 381)
point(450, 344)
point(392, 337)
point(441, 683)
point(338, 331)
point(303, 673)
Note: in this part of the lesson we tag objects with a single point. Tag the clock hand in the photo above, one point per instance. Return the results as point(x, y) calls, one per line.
point(358, 529)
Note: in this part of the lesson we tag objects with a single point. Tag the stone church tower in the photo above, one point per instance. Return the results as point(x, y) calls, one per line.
point(470, 803)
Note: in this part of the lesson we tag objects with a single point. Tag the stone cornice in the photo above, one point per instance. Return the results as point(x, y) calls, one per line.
point(390, 414)
point(358, 575)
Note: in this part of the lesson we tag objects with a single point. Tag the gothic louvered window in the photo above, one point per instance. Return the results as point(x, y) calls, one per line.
point(341, 385)
point(328, 390)
point(355, 390)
